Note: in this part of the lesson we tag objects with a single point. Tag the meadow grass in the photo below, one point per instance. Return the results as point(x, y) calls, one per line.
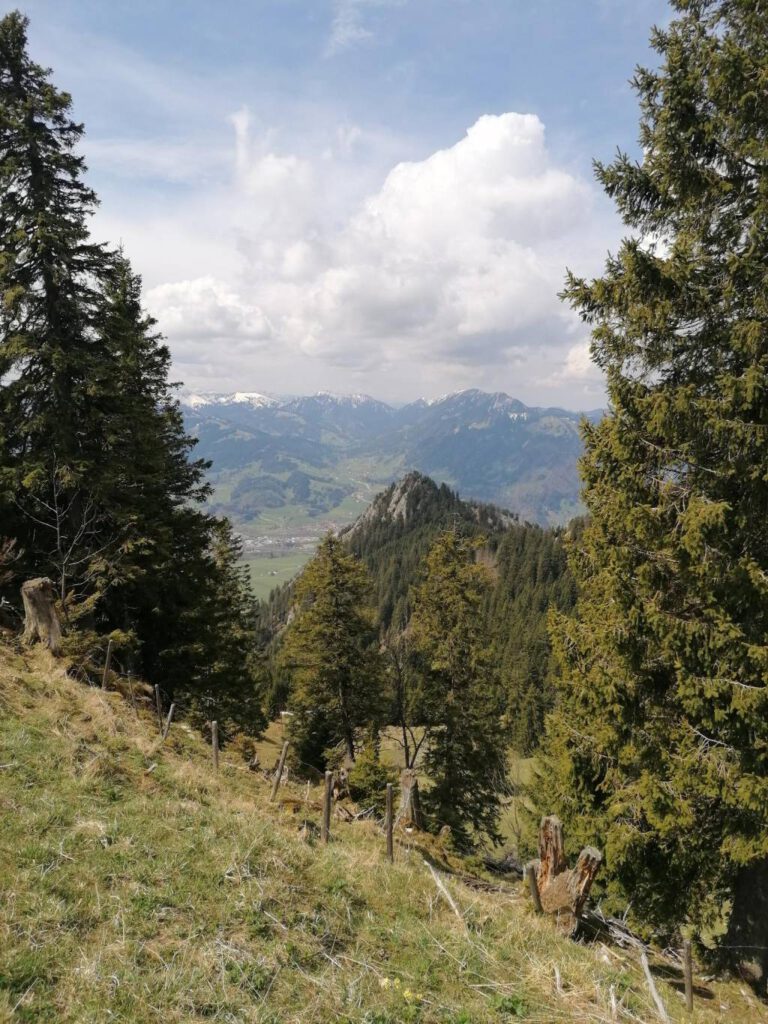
point(139, 886)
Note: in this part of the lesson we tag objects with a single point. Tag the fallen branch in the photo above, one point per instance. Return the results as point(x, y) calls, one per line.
point(444, 892)
point(653, 990)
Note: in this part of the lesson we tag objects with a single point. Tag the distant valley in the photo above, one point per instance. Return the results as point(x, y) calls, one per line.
point(287, 470)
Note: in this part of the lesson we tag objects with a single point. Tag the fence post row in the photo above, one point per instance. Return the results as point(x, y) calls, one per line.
point(168, 721)
point(688, 975)
point(159, 706)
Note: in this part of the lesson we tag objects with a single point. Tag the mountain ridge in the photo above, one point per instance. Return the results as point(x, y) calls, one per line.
point(324, 454)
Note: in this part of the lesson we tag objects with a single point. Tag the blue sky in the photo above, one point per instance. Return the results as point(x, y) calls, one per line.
point(365, 195)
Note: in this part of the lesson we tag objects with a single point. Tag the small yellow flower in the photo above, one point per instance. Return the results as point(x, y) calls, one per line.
point(397, 983)
point(407, 995)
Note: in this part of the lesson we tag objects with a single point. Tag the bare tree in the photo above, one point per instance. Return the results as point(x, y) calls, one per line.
point(404, 677)
point(77, 529)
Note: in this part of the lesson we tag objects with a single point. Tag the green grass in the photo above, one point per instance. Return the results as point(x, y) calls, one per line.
point(267, 572)
point(138, 886)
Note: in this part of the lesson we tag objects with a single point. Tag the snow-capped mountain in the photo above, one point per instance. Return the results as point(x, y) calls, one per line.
point(489, 446)
point(252, 398)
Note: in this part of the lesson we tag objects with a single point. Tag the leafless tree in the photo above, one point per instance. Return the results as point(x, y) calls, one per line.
point(80, 540)
point(412, 736)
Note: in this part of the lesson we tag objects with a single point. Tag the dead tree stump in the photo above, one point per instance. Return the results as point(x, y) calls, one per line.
point(41, 619)
point(341, 785)
point(409, 814)
point(563, 891)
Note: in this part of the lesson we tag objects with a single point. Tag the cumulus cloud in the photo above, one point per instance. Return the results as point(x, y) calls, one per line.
point(448, 270)
point(208, 310)
point(579, 365)
point(456, 255)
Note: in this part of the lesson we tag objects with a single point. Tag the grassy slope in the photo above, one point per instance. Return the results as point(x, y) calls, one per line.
point(267, 572)
point(174, 894)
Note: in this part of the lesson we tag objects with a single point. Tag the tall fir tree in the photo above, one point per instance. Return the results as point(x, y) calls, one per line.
point(96, 481)
point(50, 272)
point(331, 653)
point(659, 746)
point(460, 698)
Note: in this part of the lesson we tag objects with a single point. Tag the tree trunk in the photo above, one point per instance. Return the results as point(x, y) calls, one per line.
point(746, 941)
point(409, 813)
point(41, 619)
point(562, 891)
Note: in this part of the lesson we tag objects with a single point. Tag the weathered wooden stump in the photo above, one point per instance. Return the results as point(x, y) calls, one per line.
point(409, 814)
point(563, 891)
point(341, 784)
point(41, 619)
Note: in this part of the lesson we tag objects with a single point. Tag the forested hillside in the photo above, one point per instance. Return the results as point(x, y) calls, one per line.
point(528, 572)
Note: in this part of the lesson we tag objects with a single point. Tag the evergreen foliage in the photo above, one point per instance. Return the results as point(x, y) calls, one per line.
point(461, 699)
point(529, 575)
point(331, 652)
point(659, 745)
point(97, 487)
point(395, 535)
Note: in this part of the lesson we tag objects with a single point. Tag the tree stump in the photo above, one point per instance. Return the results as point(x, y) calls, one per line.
point(563, 891)
point(409, 814)
point(41, 619)
point(341, 785)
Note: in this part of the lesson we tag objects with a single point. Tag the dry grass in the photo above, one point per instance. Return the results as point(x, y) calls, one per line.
point(174, 894)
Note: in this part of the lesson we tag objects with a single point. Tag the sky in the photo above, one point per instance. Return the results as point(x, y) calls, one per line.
point(368, 196)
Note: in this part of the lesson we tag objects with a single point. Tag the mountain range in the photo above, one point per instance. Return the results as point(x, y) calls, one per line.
point(301, 459)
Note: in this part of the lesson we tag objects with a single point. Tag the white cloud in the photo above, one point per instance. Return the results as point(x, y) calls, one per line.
point(444, 275)
point(456, 257)
point(579, 365)
point(208, 310)
point(348, 27)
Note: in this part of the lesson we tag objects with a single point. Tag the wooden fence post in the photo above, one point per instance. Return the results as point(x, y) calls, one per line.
point(107, 662)
point(215, 744)
point(389, 822)
point(168, 721)
point(530, 874)
point(159, 706)
point(279, 772)
point(325, 831)
point(688, 975)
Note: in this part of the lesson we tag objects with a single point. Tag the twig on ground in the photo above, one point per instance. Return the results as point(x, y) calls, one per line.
point(661, 1009)
point(444, 892)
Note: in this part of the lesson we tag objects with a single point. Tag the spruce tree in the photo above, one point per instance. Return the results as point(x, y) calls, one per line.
point(97, 485)
point(331, 652)
point(50, 280)
point(660, 743)
point(460, 698)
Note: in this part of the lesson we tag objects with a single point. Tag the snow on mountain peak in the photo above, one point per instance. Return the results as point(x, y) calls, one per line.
point(252, 398)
